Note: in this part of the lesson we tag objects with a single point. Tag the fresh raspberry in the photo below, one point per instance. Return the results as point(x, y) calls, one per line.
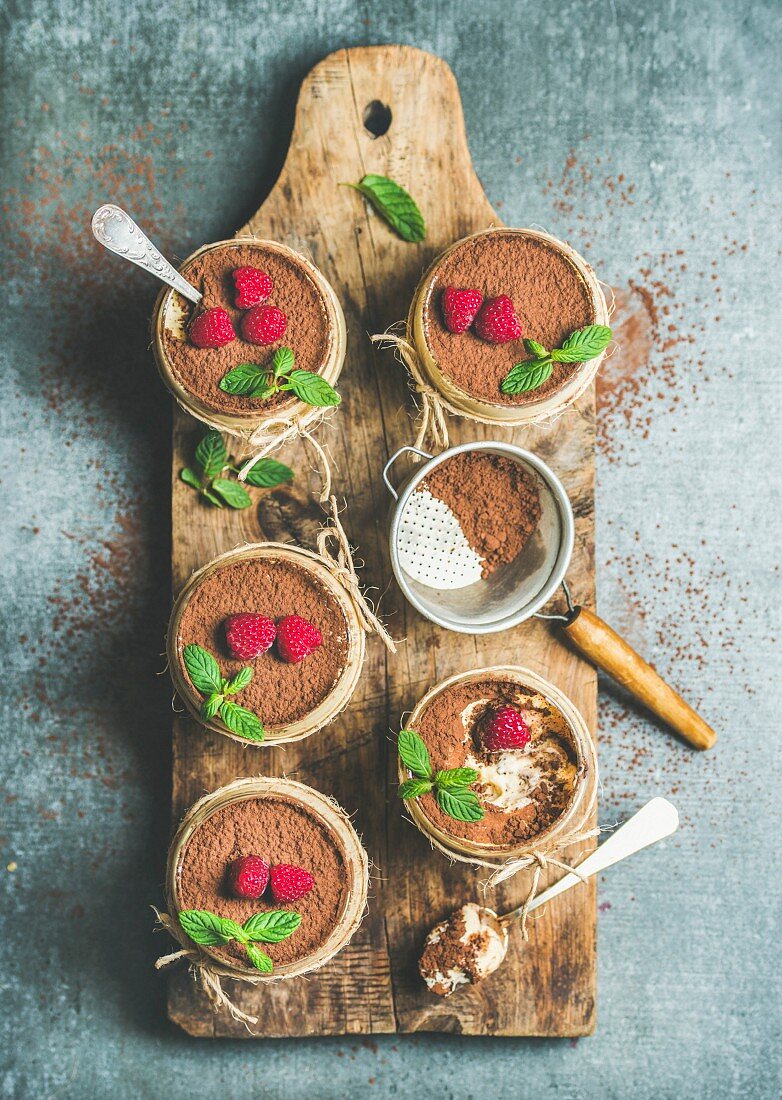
point(248, 876)
point(212, 329)
point(497, 321)
point(290, 883)
point(460, 307)
point(506, 729)
point(297, 638)
point(253, 286)
point(249, 636)
point(264, 325)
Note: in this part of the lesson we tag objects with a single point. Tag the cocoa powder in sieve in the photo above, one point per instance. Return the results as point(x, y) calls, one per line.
point(450, 736)
point(278, 693)
point(495, 499)
point(280, 830)
point(295, 292)
point(548, 292)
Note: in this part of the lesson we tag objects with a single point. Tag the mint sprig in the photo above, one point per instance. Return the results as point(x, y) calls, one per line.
point(206, 677)
point(210, 465)
point(209, 930)
point(394, 204)
point(581, 346)
point(259, 380)
point(451, 787)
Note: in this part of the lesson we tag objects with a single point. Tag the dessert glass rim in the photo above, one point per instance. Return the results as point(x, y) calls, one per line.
point(492, 855)
point(463, 403)
point(329, 708)
point(335, 820)
point(169, 301)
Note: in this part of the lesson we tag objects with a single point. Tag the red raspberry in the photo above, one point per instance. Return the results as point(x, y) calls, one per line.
point(253, 286)
point(212, 329)
point(297, 638)
point(290, 883)
point(506, 729)
point(248, 876)
point(249, 636)
point(460, 307)
point(264, 325)
point(497, 321)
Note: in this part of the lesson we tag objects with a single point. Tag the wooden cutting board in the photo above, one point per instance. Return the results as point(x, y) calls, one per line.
point(546, 987)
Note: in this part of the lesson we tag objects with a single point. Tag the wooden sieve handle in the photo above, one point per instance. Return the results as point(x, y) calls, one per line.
point(603, 646)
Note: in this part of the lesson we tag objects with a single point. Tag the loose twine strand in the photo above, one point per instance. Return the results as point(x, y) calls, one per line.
point(202, 969)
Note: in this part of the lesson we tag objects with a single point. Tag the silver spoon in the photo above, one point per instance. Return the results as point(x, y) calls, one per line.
point(117, 231)
point(654, 821)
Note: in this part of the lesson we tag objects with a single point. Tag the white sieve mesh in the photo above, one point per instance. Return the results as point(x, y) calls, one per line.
point(433, 549)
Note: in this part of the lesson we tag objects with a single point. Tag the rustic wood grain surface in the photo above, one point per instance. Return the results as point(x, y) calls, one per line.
point(547, 987)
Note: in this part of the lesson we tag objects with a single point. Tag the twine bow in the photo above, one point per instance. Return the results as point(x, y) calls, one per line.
point(202, 968)
point(343, 568)
point(272, 434)
point(432, 424)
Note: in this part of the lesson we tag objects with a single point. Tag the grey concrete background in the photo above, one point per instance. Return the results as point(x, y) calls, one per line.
point(646, 134)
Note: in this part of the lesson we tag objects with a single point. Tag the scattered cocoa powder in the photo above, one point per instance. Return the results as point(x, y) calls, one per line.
point(278, 693)
point(280, 830)
point(449, 741)
point(550, 297)
point(308, 333)
point(496, 501)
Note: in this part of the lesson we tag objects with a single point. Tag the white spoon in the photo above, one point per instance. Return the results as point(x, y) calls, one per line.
point(654, 821)
point(117, 231)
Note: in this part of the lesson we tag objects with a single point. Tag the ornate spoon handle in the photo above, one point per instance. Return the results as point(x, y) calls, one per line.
point(117, 231)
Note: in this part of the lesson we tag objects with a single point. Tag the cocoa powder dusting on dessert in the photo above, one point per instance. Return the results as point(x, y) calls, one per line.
point(278, 693)
point(550, 297)
point(280, 830)
point(495, 500)
point(451, 725)
point(308, 332)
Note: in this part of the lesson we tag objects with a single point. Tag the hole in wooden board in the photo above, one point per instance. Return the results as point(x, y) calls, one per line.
point(377, 118)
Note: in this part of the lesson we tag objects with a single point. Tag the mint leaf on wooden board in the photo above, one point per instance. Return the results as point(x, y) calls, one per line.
point(235, 495)
point(207, 494)
point(459, 803)
point(190, 478)
point(395, 205)
point(259, 959)
point(311, 388)
point(267, 473)
point(414, 753)
point(527, 376)
point(205, 928)
point(583, 345)
point(242, 722)
point(272, 926)
point(414, 788)
point(211, 454)
point(202, 669)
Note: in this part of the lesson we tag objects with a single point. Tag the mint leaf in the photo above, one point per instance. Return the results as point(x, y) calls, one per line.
point(455, 777)
point(211, 454)
point(267, 472)
point(282, 362)
point(202, 669)
point(583, 345)
point(210, 706)
point(190, 477)
point(311, 388)
point(414, 753)
point(459, 803)
point(240, 681)
point(259, 959)
point(246, 379)
point(527, 376)
point(396, 205)
point(272, 926)
point(208, 495)
point(232, 493)
point(206, 928)
point(242, 722)
point(536, 349)
point(414, 788)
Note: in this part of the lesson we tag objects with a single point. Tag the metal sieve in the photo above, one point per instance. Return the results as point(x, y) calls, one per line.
point(440, 573)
